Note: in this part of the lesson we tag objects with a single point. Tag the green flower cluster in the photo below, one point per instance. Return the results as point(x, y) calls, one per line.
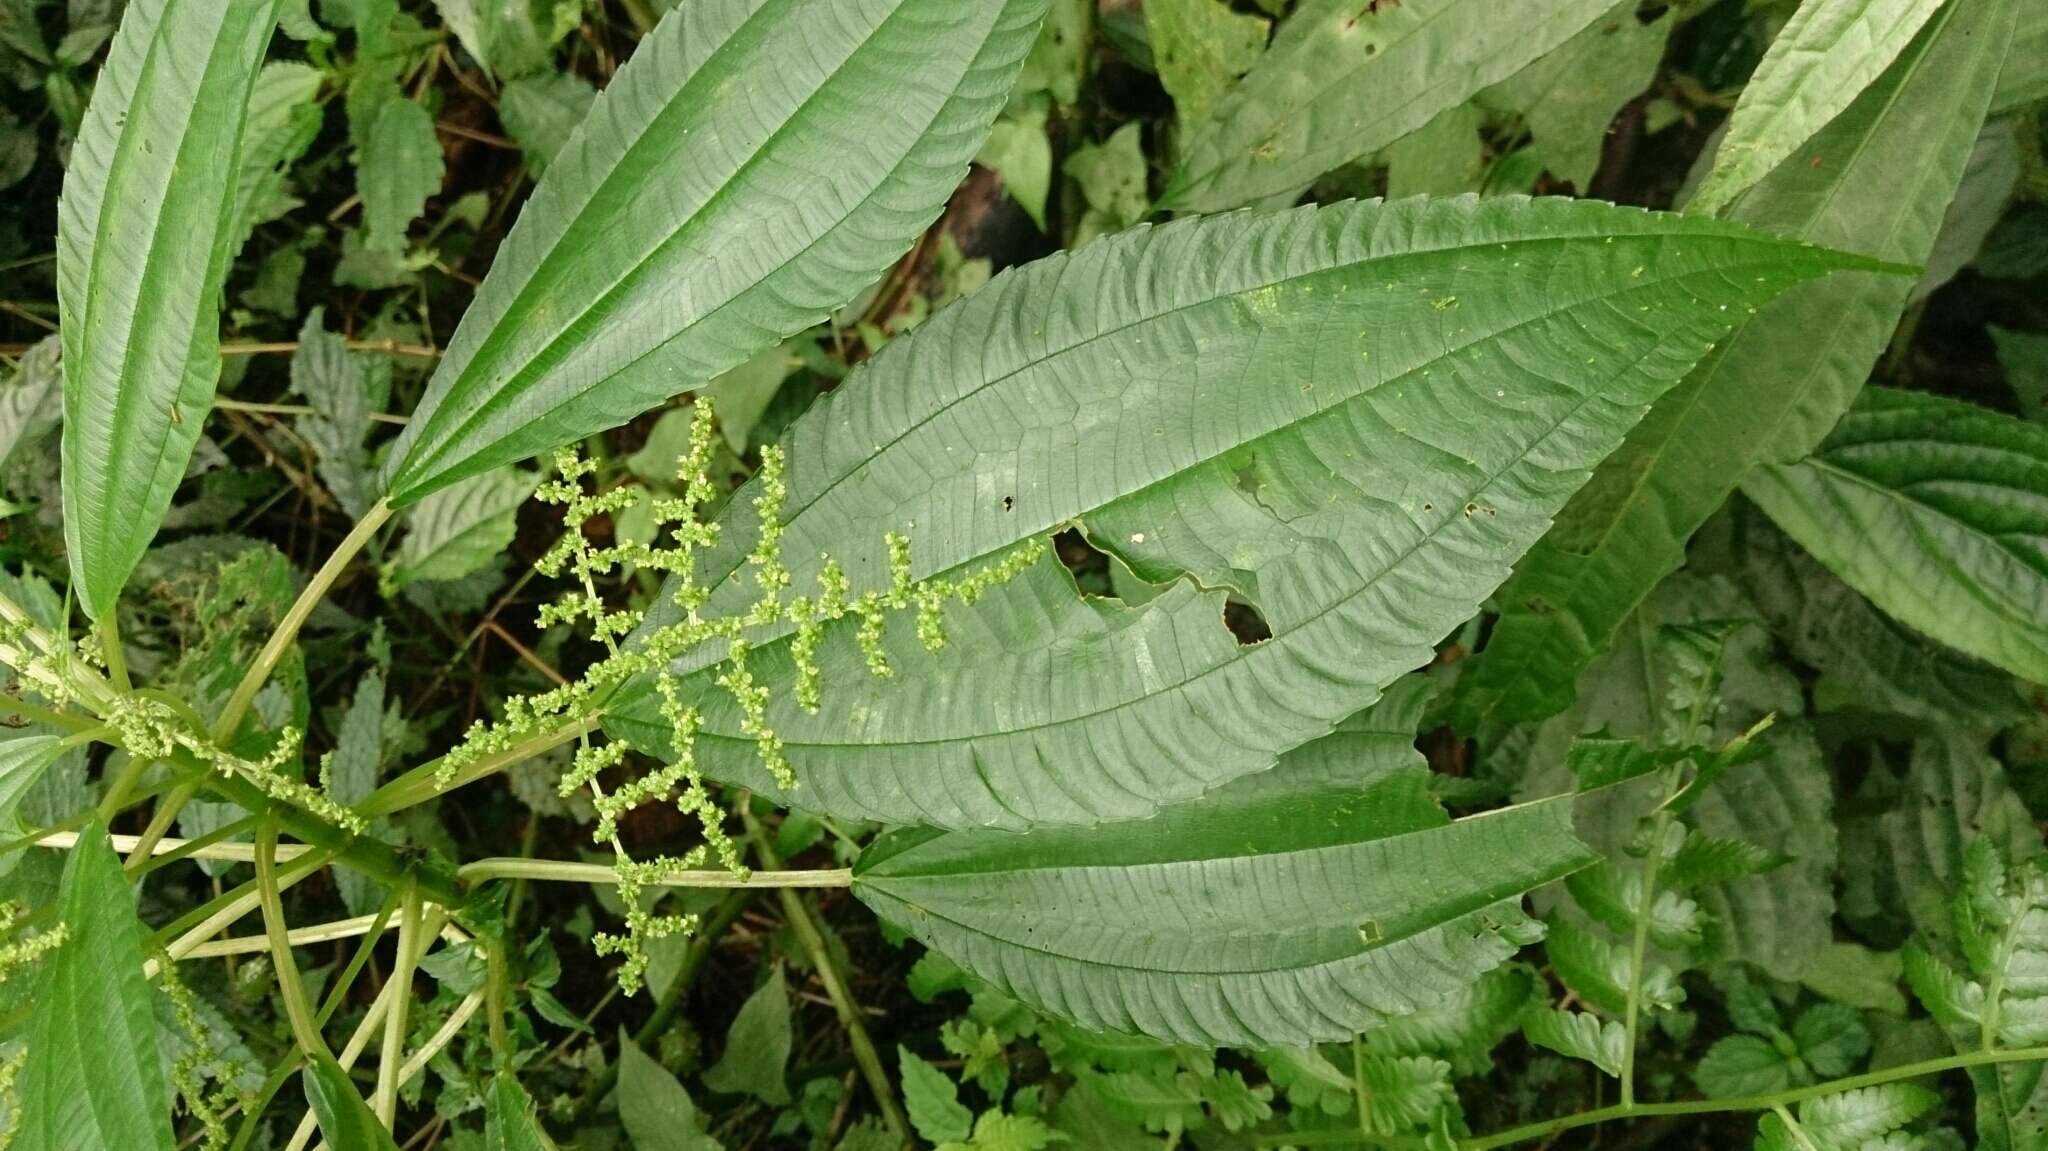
point(680, 780)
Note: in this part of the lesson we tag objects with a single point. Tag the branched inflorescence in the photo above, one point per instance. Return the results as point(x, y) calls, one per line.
point(680, 780)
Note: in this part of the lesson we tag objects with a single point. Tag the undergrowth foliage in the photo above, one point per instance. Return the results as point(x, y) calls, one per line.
point(1177, 564)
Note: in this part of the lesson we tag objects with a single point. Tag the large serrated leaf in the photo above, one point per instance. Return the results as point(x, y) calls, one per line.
point(732, 186)
point(1232, 920)
point(2025, 78)
point(94, 1079)
point(144, 228)
point(1345, 78)
point(1829, 51)
point(1937, 511)
point(1353, 417)
point(1887, 169)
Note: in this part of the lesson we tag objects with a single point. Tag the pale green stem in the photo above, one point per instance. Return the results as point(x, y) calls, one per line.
point(1639, 948)
point(385, 1102)
point(160, 822)
point(420, 784)
point(298, 1009)
point(288, 628)
point(117, 659)
point(813, 940)
point(509, 867)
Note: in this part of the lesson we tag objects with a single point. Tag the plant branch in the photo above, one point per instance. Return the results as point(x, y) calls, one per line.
point(510, 867)
point(280, 640)
point(297, 1007)
point(1341, 1137)
point(385, 1102)
point(420, 784)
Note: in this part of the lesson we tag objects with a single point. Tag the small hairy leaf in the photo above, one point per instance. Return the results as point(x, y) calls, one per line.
point(1464, 1026)
point(1598, 971)
point(657, 1113)
point(94, 1079)
point(1742, 1065)
point(144, 229)
point(1936, 510)
point(757, 1046)
point(399, 168)
point(1578, 1035)
point(932, 1099)
point(458, 529)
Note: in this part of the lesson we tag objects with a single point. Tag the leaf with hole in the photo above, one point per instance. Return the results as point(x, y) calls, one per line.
point(1351, 418)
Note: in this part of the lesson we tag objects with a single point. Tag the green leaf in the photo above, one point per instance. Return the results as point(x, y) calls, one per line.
point(351, 773)
point(1443, 157)
point(345, 390)
point(1845, 1121)
point(744, 392)
point(1598, 970)
point(1888, 167)
point(757, 1046)
point(457, 530)
point(657, 1113)
point(283, 121)
point(399, 168)
point(2024, 356)
point(932, 1099)
point(1858, 976)
point(1111, 176)
point(32, 402)
point(542, 112)
point(1704, 860)
point(1742, 1065)
point(1868, 662)
point(1828, 53)
point(995, 1131)
point(1200, 48)
point(1449, 351)
point(1464, 1026)
point(1402, 1093)
point(1167, 927)
point(23, 759)
point(345, 1120)
point(1310, 1079)
point(143, 236)
point(509, 1120)
point(94, 1078)
point(1937, 511)
point(1343, 80)
point(1832, 1038)
point(1019, 151)
point(647, 262)
point(1614, 897)
point(1570, 96)
point(2025, 78)
point(1578, 1035)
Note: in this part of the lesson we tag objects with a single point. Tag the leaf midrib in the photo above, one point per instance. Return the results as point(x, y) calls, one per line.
point(521, 301)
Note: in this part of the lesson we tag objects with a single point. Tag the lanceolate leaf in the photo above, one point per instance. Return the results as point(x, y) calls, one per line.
point(1936, 510)
point(1233, 920)
point(731, 187)
point(1353, 417)
point(1887, 169)
point(345, 1120)
point(1827, 53)
point(1345, 78)
point(94, 1078)
point(143, 235)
